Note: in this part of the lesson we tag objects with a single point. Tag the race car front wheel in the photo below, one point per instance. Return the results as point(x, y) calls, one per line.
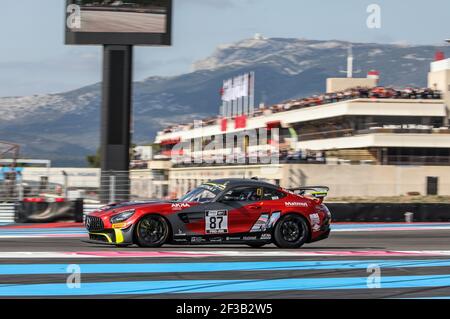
point(291, 232)
point(152, 231)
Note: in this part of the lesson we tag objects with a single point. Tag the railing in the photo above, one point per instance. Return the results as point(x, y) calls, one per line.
point(324, 99)
point(417, 160)
point(118, 186)
point(7, 213)
point(326, 134)
point(369, 130)
point(293, 159)
point(111, 186)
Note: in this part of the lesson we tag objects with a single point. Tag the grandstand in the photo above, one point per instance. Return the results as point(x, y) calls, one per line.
point(381, 125)
point(355, 122)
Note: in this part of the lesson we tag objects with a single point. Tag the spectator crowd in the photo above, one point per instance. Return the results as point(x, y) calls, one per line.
point(379, 92)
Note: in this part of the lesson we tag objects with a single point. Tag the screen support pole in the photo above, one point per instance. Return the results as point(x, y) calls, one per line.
point(116, 123)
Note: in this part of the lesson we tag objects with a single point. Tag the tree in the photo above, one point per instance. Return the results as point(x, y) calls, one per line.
point(94, 160)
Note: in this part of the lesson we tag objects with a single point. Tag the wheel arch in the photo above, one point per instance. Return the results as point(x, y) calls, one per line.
point(301, 215)
point(143, 215)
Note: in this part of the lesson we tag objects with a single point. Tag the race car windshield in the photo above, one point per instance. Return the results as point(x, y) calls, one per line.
point(200, 195)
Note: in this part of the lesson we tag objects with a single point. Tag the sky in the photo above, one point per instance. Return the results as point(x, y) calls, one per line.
point(34, 59)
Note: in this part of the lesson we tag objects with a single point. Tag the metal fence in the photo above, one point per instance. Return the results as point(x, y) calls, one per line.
point(7, 212)
point(108, 187)
point(13, 191)
point(103, 187)
point(114, 186)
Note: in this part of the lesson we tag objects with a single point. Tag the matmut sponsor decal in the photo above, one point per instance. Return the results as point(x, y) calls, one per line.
point(296, 204)
point(180, 205)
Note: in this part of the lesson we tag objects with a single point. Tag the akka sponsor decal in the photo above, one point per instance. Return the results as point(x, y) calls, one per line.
point(296, 204)
point(180, 205)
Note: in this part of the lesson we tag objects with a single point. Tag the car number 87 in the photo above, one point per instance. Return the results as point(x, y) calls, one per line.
point(216, 221)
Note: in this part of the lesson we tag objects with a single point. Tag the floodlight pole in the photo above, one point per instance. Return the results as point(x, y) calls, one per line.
point(116, 121)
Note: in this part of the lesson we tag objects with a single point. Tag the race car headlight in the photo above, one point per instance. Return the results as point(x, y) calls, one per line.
point(122, 216)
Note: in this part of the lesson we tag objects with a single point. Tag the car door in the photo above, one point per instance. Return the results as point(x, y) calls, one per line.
point(267, 210)
point(234, 212)
point(243, 206)
point(243, 209)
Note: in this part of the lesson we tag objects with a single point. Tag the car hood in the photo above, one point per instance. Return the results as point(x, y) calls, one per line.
point(159, 206)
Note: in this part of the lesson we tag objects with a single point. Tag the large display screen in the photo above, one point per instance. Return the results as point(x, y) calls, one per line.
point(131, 22)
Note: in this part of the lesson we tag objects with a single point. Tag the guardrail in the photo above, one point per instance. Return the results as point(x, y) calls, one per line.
point(68, 185)
point(41, 211)
point(341, 212)
point(10, 211)
point(390, 212)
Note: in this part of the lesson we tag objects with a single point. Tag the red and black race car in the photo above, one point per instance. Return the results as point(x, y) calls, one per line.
point(226, 211)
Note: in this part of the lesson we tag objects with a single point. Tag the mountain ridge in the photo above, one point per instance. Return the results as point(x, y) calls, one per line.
point(64, 127)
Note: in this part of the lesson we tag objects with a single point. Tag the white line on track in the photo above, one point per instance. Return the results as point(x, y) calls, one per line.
point(215, 253)
point(45, 236)
point(18, 234)
point(380, 229)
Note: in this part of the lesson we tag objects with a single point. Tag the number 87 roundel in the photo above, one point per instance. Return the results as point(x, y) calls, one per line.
point(216, 221)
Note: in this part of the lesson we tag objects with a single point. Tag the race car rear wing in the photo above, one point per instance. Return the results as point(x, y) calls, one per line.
point(318, 192)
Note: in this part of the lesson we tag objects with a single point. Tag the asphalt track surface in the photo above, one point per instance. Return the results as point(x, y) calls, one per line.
point(109, 21)
point(413, 262)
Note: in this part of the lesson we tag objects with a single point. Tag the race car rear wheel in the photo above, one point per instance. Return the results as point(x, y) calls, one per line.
point(152, 231)
point(291, 232)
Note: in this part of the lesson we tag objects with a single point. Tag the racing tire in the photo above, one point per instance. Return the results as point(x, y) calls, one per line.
point(291, 232)
point(152, 231)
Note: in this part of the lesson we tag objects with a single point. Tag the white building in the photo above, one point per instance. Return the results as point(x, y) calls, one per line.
point(384, 128)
